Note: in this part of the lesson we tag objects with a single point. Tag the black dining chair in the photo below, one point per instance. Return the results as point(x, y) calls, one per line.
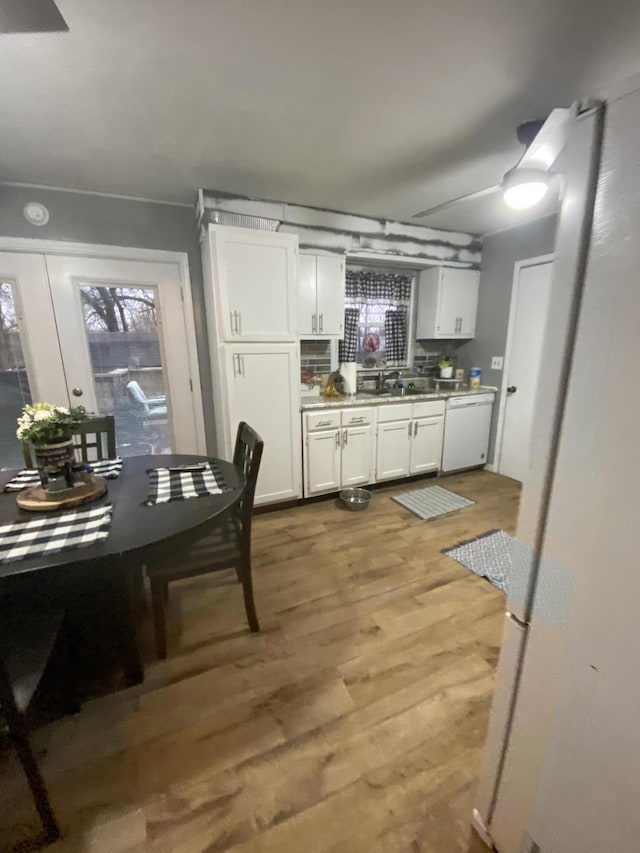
point(226, 546)
point(94, 440)
point(28, 643)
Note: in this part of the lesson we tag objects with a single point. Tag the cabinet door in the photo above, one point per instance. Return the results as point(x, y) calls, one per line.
point(256, 275)
point(393, 450)
point(449, 303)
point(330, 295)
point(426, 444)
point(322, 462)
point(307, 313)
point(357, 456)
point(469, 304)
point(458, 303)
point(262, 389)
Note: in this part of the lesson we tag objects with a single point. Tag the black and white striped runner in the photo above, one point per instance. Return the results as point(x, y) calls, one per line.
point(48, 534)
point(184, 481)
point(108, 468)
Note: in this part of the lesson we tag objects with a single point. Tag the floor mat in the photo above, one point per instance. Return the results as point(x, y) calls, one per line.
point(489, 555)
point(431, 502)
point(508, 563)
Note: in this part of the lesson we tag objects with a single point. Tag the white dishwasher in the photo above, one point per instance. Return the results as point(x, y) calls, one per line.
point(467, 425)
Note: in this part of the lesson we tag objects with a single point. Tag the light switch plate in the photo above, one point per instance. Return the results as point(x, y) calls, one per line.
point(496, 362)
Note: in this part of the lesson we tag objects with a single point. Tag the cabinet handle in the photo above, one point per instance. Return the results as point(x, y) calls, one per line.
point(338, 439)
point(239, 323)
point(415, 428)
point(313, 324)
point(232, 317)
point(323, 423)
point(321, 322)
point(410, 428)
point(239, 357)
point(346, 438)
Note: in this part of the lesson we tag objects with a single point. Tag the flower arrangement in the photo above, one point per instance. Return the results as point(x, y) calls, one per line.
point(44, 423)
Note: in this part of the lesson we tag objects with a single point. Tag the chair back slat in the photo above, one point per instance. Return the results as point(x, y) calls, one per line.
point(93, 439)
point(246, 458)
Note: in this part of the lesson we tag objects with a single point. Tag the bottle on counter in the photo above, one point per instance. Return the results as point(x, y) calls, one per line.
point(475, 377)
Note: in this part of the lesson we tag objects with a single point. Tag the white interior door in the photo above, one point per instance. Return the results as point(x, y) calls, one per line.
point(108, 334)
point(530, 301)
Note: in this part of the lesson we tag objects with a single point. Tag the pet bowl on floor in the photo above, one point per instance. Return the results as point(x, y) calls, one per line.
point(355, 499)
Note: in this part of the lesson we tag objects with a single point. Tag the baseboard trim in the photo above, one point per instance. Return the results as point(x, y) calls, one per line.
point(491, 467)
point(478, 824)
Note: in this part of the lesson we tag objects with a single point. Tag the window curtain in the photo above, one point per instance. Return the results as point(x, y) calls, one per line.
point(348, 346)
point(372, 286)
point(375, 316)
point(395, 331)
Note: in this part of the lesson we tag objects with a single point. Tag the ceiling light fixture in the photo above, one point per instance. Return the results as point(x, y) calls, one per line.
point(523, 188)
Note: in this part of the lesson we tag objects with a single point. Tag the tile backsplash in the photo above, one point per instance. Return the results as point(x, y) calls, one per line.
point(315, 355)
point(426, 355)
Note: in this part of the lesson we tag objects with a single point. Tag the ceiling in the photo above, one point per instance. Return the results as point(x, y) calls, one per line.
point(365, 106)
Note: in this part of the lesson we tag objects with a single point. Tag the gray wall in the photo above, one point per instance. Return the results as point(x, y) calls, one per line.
point(87, 218)
point(499, 254)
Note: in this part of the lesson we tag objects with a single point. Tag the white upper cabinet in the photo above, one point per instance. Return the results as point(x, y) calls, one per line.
point(321, 285)
point(447, 303)
point(255, 283)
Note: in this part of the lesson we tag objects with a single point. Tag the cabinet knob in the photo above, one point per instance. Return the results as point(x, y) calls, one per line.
point(512, 389)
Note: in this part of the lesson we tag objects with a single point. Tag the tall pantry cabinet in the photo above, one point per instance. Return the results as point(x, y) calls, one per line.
point(250, 280)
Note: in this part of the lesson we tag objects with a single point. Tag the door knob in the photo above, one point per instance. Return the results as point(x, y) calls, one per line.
point(77, 392)
point(512, 389)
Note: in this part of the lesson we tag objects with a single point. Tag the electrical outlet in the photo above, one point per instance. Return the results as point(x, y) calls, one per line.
point(496, 362)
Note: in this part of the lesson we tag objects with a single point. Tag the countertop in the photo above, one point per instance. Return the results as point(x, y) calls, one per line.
point(308, 403)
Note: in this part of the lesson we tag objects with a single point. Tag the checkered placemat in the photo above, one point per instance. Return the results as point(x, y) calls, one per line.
point(50, 534)
point(184, 481)
point(108, 468)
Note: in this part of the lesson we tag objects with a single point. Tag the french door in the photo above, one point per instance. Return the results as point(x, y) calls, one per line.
point(110, 334)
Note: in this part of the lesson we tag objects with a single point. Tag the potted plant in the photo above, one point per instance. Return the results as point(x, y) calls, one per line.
point(446, 368)
point(49, 429)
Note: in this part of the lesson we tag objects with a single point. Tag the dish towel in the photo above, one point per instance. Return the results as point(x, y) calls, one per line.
point(184, 481)
point(50, 534)
point(108, 468)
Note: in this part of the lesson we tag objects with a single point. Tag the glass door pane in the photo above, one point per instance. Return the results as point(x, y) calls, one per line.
point(15, 391)
point(122, 330)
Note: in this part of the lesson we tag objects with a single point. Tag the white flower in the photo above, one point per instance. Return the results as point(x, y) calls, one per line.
point(61, 410)
point(43, 415)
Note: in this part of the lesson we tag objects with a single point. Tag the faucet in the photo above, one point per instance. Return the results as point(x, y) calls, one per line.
point(382, 378)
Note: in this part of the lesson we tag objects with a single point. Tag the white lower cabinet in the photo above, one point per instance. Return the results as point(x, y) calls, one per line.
point(322, 461)
point(357, 456)
point(426, 444)
point(354, 447)
point(262, 382)
point(338, 450)
point(393, 451)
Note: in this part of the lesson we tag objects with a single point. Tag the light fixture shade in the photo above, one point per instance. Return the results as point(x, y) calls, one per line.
point(523, 188)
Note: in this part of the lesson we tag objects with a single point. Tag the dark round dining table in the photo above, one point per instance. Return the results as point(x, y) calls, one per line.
point(136, 534)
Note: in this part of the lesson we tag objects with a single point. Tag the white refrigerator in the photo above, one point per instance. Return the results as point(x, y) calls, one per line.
point(562, 760)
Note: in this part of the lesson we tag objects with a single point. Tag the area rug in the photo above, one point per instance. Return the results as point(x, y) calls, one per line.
point(488, 555)
point(508, 563)
point(431, 502)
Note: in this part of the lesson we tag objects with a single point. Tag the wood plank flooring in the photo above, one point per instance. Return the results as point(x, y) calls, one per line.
point(353, 722)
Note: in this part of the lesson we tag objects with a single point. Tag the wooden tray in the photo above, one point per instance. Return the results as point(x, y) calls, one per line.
point(37, 499)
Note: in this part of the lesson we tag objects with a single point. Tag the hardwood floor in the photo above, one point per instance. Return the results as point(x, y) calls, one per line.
point(353, 722)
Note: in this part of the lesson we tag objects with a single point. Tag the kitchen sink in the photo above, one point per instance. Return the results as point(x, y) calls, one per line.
point(399, 392)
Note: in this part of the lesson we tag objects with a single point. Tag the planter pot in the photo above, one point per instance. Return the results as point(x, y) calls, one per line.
point(53, 456)
point(446, 372)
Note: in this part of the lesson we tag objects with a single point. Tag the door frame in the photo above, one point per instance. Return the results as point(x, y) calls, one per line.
point(27, 245)
point(536, 261)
